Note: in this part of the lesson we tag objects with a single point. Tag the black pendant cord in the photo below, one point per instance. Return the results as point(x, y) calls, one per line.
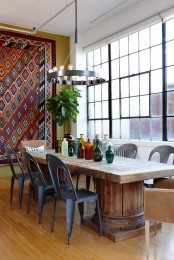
point(76, 32)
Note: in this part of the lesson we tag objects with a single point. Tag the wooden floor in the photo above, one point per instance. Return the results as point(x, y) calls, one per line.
point(21, 237)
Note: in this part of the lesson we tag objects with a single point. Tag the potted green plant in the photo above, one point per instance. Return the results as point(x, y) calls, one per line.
point(64, 105)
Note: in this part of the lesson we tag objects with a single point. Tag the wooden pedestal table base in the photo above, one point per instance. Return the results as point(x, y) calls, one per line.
point(121, 208)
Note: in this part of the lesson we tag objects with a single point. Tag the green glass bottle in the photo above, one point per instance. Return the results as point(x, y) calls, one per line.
point(109, 155)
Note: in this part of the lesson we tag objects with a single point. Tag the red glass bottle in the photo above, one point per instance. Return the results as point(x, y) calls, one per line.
point(88, 150)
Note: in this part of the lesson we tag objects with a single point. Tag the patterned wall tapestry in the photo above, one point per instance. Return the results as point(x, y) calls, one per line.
point(24, 61)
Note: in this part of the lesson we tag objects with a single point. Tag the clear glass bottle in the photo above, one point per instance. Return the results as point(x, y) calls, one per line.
point(82, 140)
point(97, 153)
point(104, 145)
point(64, 147)
point(88, 150)
point(81, 152)
point(109, 155)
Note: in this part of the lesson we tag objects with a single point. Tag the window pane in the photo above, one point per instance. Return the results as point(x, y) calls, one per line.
point(134, 86)
point(134, 128)
point(104, 53)
point(105, 70)
point(156, 81)
point(91, 93)
point(123, 46)
point(90, 59)
point(115, 69)
point(133, 63)
point(91, 110)
point(91, 132)
point(124, 87)
point(105, 91)
point(170, 129)
point(124, 66)
point(98, 111)
point(125, 129)
point(156, 57)
point(97, 56)
point(144, 38)
point(170, 53)
point(170, 78)
point(98, 127)
point(115, 89)
point(169, 30)
point(114, 50)
point(133, 42)
point(156, 34)
point(156, 128)
point(98, 92)
point(116, 129)
point(156, 105)
point(144, 105)
point(145, 129)
point(105, 109)
point(144, 60)
point(134, 106)
point(144, 84)
point(115, 109)
point(170, 103)
point(125, 107)
point(105, 127)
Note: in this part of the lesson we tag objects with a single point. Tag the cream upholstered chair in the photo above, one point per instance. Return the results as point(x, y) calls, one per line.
point(158, 206)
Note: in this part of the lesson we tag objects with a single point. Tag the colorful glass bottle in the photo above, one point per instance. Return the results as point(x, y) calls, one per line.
point(88, 150)
point(97, 153)
point(76, 146)
point(109, 155)
point(71, 150)
point(64, 147)
point(82, 140)
point(81, 151)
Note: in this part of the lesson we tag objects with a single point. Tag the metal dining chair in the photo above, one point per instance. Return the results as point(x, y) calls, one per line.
point(128, 150)
point(17, 174)
point(161, 153)
point(40, 183)
point(70, 195)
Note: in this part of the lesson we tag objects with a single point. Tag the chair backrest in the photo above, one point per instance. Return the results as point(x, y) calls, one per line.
point(164, 152)
point(127, 150)
point(11, 155)
point(33, 167)
point(155, 206)
point(56, 168)
point(32, 143)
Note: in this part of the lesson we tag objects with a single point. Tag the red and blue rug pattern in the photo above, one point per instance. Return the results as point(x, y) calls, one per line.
point(23, 90)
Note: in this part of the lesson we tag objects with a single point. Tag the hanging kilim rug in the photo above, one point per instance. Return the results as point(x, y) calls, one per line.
point(23, 89)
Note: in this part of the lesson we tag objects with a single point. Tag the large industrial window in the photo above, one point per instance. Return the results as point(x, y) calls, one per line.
point(137, 100)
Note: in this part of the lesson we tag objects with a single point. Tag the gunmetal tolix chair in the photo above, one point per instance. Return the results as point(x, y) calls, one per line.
point(70, 195)
point(128, 150)
point(17, 174)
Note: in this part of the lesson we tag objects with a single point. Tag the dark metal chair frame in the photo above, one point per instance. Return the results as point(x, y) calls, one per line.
point(164, 152)
point(128, 150)
point(69, 195)
point(19, 175)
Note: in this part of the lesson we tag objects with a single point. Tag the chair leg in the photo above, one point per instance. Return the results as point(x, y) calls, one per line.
point(88, 178)
point(21, 188)
point(11, 189)
point(30, 189)
point(53, 213)
point(99, 217)
point(147, 237)
point(70, 209)
point(81, 211)
point(41, 191)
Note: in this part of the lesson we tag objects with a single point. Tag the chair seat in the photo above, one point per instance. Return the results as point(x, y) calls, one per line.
point(82, 195)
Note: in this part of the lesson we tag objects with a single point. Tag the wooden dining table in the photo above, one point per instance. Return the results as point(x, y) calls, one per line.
point(120, 187)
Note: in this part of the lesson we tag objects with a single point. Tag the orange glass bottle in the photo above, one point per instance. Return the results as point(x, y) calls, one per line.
point(88, 150)
point(81, 152)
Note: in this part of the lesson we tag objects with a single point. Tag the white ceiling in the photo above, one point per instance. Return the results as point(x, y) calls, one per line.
point(35, 13)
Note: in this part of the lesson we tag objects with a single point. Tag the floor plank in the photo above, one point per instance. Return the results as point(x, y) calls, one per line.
point(21, 237)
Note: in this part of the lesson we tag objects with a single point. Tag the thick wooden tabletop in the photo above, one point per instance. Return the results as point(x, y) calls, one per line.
point(122, 170)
